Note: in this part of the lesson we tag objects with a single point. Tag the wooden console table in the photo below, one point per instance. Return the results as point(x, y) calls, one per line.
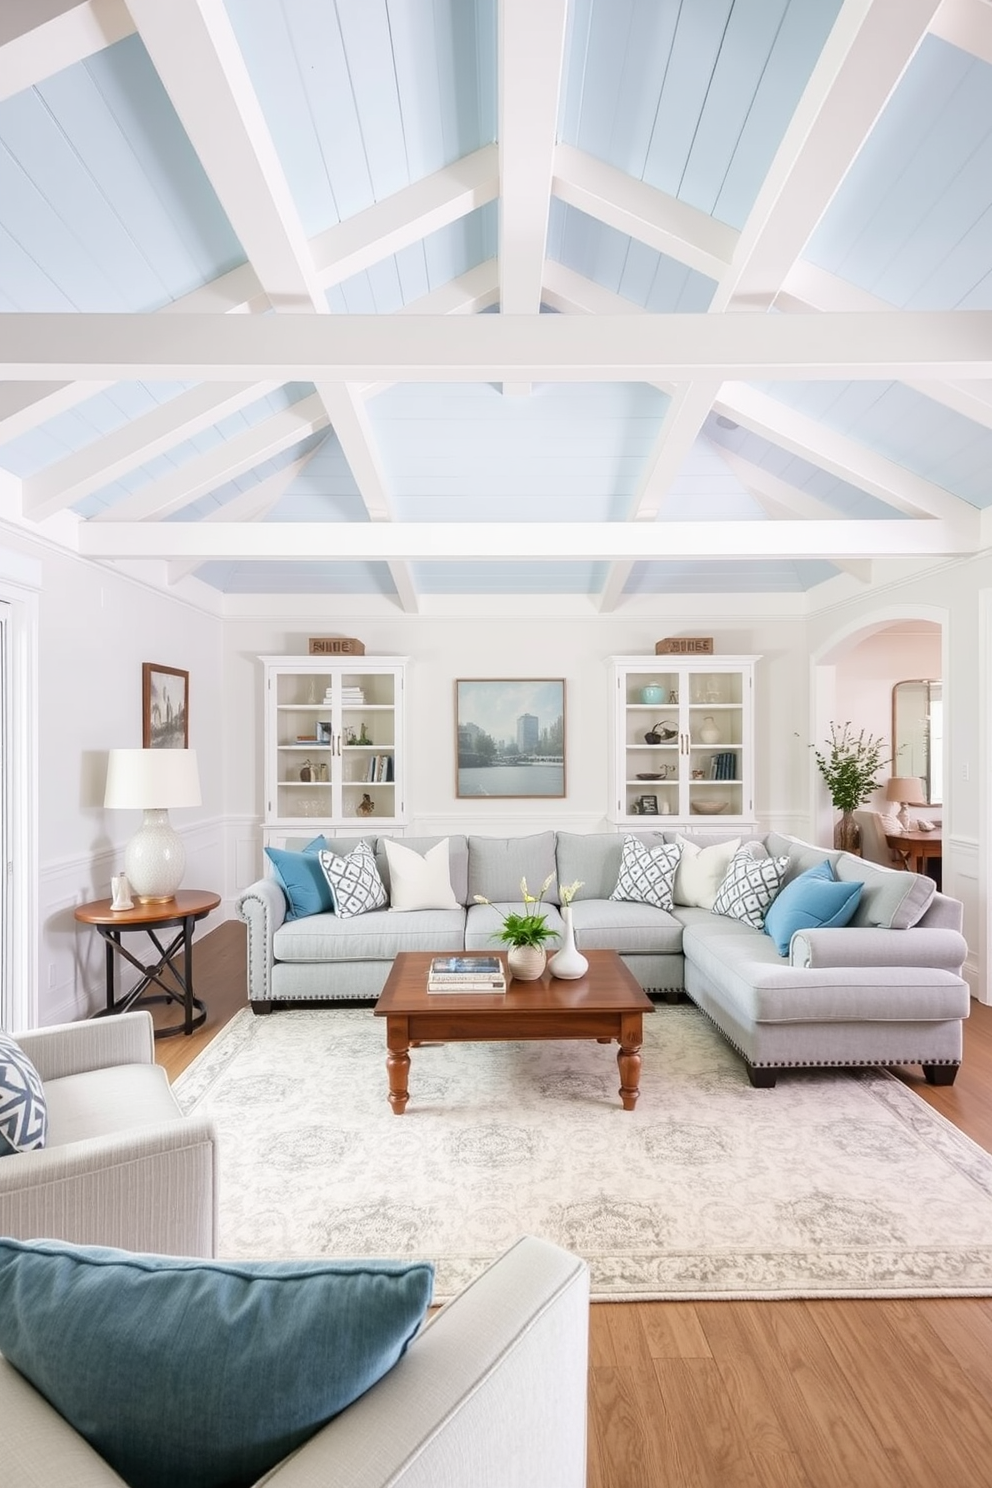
point(915, 848)
point(180, 914)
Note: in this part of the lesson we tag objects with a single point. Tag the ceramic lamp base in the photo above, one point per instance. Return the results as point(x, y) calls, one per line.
point(155, 859)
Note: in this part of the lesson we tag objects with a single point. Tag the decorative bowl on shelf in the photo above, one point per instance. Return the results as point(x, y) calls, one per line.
point(651, 775)
point(709, 808)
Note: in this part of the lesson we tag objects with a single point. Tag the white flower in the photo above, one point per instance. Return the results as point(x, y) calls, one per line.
point(569, 891)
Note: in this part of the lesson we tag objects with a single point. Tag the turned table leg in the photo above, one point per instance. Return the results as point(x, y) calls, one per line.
point(398, 1062)
point(629, 1058)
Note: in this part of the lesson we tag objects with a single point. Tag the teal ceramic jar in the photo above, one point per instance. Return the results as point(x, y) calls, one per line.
point(653, 694)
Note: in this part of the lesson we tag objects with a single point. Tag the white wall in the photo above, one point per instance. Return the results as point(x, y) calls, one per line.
point(95, 630)
point(441, 651)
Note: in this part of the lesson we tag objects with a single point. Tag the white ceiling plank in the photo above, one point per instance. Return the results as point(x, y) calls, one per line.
point(40, 37)
point(643, 212)
point(354, 348)
point(204, 473)
point(406, 217)
point(461, 541)
point(843, 457)
point(251, 506)
point(531, 52)
point(966, 24)
point(133, 444)
point(808, 287)
point(867, 52)
point(195, 53)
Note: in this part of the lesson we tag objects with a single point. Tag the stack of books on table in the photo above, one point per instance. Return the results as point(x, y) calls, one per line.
point(466, 974)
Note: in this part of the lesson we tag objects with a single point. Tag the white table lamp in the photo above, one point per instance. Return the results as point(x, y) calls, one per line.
point(152, 780)
point(908, 791)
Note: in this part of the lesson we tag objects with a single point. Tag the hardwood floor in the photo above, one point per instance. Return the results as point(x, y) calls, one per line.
point(819, 1394)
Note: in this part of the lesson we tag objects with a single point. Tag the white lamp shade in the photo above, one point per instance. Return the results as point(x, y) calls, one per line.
point(157, 778)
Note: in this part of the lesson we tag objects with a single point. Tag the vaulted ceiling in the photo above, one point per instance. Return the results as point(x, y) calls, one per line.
point(412, 298)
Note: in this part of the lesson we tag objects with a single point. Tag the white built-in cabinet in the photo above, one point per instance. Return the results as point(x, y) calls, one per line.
point(682, 739)
point(334, 742)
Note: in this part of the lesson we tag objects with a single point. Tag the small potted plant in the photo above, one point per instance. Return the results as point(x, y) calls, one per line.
point(525, 935)
point(849, 766)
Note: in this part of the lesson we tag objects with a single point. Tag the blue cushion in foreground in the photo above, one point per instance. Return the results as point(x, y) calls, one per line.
point(201, 1373)
point(302, 880)
point(814, 900)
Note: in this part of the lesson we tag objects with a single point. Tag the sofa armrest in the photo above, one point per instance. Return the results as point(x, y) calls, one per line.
point(941, 950)
point(262, 906)
point(74, 1048)
point(491, 1393)
point(153, 1189)
point(39, 1447)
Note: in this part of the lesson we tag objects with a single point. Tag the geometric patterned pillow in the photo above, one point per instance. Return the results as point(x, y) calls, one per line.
point(354, 881)
point(23, 1111)
point(647, 874)
point(749, 887)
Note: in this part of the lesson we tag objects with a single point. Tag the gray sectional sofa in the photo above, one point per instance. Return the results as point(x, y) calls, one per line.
point(885, 989)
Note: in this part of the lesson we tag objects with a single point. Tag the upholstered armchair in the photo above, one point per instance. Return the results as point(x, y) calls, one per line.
point(122, 1165)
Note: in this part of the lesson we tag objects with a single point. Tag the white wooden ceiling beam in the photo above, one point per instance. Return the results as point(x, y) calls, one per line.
point(520, 541)
point(966, 24)
point(170, 493)
point(133, 444)
point(808, 287)
point(869, 48)
point(40, 37)
point(531, 53)
point(843, 457)
point(406, 217)
point(664, 223)
point(551, 348)
point(572, 293)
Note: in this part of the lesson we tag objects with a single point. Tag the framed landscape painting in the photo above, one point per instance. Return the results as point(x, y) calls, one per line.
point(510, 737)
point(164, 707)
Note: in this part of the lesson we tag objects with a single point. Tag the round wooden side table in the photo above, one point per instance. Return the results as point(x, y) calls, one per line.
point(180, 914)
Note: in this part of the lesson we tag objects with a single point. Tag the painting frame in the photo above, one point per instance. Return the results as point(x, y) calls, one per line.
point(164, 707)
point(509, 732)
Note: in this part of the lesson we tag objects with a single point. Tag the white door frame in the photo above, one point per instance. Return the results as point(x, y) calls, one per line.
point(20, 584)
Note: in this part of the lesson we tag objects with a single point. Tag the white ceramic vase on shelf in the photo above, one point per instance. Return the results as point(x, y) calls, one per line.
point(526, 962)
point(709, 733)
point(569, 964)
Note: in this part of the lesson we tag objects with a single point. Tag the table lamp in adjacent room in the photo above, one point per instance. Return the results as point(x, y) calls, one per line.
point(908, 791)
point(152, 780)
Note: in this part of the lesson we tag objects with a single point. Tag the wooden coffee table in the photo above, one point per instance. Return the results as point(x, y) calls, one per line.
point(606, 1004)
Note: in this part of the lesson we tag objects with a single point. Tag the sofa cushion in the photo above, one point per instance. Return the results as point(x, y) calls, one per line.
point(647, 874)
point(354, 881)
point(302, 880)
point(377, 936)
point(815, 899)
point(749, 887)
point(593, 858)
point(419, 880)
point(891, 898)
point(201, 1373)
point(497, 864)
point(23, 1109)
point(624, 926)
point(701, 871)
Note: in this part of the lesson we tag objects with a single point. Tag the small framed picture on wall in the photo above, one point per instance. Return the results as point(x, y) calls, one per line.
point(164, 707)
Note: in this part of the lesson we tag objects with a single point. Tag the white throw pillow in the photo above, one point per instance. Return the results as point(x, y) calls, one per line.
point(701, 871)
point(419, 880)
point(749, 888)
point(647, 873)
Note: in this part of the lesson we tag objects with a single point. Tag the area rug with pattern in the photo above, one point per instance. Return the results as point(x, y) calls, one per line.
point(833, 1184)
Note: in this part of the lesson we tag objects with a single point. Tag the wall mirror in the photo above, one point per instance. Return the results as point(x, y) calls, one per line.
point(918, 733)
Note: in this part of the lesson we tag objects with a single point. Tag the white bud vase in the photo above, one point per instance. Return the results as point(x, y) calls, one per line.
point(569, 964)
point(526, 962)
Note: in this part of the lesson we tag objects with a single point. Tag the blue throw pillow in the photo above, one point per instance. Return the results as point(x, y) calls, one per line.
point(302, 880)
point(814, 900)
point(201, 1373)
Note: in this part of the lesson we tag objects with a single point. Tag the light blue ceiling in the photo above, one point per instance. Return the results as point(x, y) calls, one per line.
point(105, 206)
